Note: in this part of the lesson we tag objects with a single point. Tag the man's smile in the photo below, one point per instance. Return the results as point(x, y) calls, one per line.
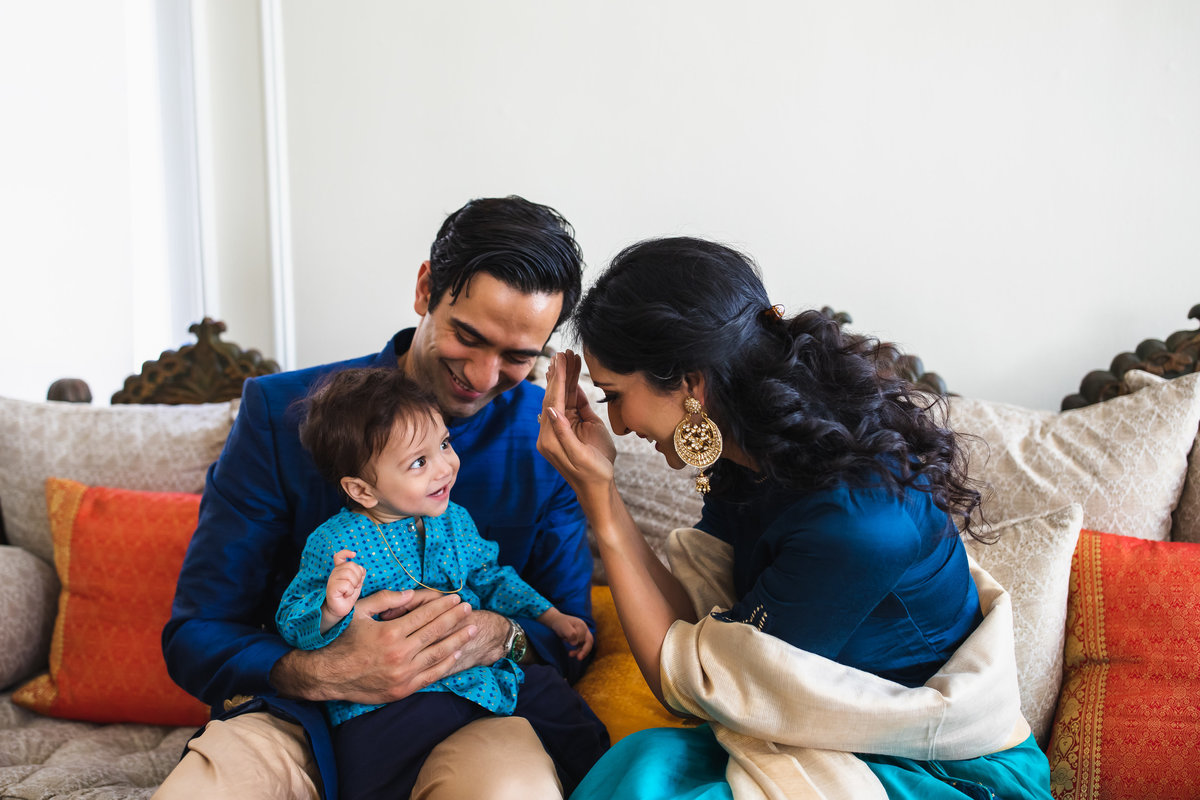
point(463, 388)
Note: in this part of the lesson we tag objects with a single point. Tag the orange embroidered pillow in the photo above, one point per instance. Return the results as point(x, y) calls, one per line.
point(118, 554)
point(613, 685)
point(1128, 723)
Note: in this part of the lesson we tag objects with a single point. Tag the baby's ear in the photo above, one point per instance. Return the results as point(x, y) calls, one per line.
point(359, 491)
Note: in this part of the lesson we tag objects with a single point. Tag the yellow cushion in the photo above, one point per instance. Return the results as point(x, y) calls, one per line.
point(613, 685)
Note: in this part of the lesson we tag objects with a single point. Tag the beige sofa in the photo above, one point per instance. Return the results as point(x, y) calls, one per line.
point(1108, 650)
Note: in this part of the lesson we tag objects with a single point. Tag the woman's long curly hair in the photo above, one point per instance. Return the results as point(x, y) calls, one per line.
point(811, 404)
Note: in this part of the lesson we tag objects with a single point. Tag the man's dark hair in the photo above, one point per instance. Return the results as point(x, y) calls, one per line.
point(349, 416)
point(526, 245)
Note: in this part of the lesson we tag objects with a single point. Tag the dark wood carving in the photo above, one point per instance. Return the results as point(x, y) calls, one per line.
point(894, 362)
point(1178, 355)
point(209, 371)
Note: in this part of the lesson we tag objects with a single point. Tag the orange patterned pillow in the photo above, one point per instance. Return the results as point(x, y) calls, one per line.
point(1128, 724)
point(118, 554)
point(613, 685)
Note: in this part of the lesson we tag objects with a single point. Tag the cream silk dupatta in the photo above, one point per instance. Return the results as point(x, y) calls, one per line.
point(791, 720)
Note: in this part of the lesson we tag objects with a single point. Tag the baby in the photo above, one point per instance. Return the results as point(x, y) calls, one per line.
point(383, 441)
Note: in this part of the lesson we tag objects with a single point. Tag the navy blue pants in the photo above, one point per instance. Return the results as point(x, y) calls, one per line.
point(380, 753)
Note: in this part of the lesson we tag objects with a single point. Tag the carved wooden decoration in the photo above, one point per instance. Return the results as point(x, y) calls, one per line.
point(908, 367)
point(209, 371)
point(1178, 355)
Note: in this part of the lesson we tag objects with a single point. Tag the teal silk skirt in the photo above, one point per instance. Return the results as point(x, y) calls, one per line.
point(689, 764)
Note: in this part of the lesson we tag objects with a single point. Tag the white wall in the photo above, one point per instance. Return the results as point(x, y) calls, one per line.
point(1011, 190)
point(114, 153)
point(66, 250)
point(99, 224)
point(233, 180)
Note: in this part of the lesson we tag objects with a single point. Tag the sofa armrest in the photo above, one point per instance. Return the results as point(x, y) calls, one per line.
point(28, 605)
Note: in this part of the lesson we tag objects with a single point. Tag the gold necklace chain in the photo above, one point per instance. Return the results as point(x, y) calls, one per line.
point(382, 535)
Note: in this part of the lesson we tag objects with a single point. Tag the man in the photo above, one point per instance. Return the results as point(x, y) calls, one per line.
point(502, 274)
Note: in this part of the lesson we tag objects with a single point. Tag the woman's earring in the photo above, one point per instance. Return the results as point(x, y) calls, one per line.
point(697, 442)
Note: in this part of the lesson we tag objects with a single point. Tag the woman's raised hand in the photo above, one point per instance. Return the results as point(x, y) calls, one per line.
point(573, 438)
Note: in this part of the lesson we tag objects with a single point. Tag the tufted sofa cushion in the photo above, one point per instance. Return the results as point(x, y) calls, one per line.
point(42, 757)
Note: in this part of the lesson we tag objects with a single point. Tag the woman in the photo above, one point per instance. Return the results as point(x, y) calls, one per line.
point(844, 615)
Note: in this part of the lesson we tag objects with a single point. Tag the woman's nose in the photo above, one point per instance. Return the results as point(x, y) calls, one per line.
point(616, 423)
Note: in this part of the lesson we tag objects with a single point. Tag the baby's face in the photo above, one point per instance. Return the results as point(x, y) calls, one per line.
point(414, 472)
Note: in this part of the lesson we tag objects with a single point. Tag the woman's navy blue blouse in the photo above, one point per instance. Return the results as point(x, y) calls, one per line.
point(867, 577)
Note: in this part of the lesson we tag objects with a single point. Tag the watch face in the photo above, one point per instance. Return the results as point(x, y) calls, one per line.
point(517, 643)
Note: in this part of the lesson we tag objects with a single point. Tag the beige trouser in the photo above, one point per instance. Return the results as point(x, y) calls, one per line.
point(261, 756)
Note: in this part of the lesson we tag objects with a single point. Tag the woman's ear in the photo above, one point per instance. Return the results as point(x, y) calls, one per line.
point(359, 491)
point(693, 382)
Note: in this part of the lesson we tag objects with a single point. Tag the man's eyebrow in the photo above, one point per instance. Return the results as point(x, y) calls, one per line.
point(471, 331)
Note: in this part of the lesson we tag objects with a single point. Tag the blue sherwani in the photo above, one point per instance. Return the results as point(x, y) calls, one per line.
point(264, 496)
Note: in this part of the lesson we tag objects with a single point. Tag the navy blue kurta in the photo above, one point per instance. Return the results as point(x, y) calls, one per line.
point(264, 496)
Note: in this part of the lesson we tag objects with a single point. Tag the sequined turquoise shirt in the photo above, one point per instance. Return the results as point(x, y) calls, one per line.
point(454, 555)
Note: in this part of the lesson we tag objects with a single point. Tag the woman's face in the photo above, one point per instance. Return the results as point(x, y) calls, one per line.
point(636, 406)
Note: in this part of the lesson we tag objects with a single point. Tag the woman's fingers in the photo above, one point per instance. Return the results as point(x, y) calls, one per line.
point(574, 452)
point(571, 386)
point(555, 385)
point(550, 439)
point(584, 407)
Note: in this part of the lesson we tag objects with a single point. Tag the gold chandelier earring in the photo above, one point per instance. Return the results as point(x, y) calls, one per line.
point(697, 441)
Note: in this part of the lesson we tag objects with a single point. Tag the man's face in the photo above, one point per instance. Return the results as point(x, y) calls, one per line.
point(474, 347)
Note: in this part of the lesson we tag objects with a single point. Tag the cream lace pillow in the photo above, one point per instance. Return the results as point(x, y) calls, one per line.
point(1032, 560)
point(1124, 460)
point(151, 448)
point(659, 498)
point(1186, 527)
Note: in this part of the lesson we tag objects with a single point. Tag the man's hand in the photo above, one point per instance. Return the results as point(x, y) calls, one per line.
point(421, 637)
point(488, 645)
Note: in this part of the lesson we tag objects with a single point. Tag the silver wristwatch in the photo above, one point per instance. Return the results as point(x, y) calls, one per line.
point(516, 644)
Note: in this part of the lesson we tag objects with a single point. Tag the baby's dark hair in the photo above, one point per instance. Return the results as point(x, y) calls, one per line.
point(349, 416)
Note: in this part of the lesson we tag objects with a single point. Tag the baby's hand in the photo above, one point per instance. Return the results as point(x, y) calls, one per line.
point(343, 587)
point(571, 630)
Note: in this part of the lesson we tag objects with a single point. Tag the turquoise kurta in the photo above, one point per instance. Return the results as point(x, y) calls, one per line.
point(454, 555)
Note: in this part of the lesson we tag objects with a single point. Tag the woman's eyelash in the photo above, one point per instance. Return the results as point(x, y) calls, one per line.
point(608, 398)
